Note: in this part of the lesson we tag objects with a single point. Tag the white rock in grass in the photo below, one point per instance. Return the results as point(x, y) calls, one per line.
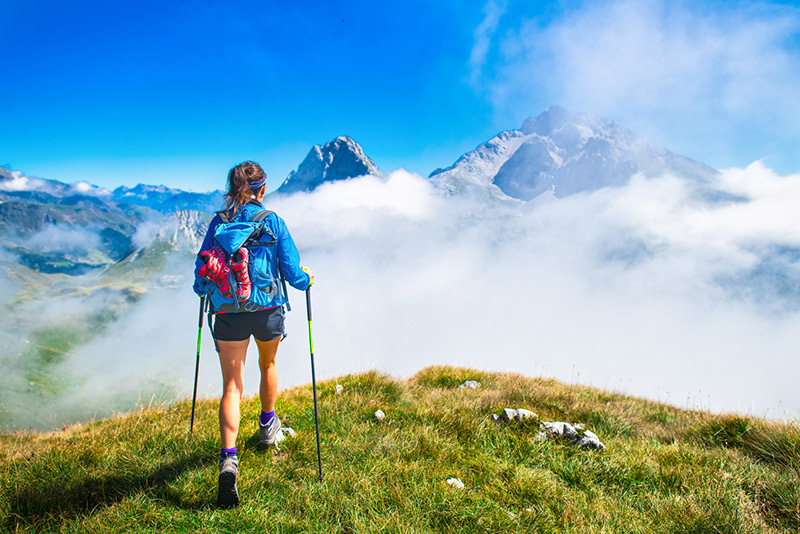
point(339, 388)
point(379, 415)
point(560, 429)
point(508, 414)
point(591, 441)
point(522, 413)
point(588, 440)
point(470, 384)
point(455, 482)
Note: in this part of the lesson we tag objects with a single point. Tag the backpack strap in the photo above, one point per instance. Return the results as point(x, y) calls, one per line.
point(257, 216)
point(260, 215)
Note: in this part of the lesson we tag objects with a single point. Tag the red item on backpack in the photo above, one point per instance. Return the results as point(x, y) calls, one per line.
point(216, 269)
point(239, 265)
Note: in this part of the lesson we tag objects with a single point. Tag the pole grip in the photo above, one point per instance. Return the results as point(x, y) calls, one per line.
point(310, 339)
point(202, 309)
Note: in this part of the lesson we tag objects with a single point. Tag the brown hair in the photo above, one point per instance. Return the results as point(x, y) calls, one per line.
point(240, 179)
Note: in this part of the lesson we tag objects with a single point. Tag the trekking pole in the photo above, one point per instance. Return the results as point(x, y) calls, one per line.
point(313, 380)
point(197, 363)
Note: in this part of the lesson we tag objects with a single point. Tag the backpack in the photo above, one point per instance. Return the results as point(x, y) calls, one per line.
point(238, 264)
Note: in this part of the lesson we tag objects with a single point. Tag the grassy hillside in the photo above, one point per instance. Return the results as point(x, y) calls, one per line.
point(665, 469)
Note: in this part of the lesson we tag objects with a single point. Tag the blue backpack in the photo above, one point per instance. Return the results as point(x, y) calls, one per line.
point(242, 271)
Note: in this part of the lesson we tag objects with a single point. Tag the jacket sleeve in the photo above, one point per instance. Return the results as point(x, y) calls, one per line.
point(202, 286)
point(289, 258)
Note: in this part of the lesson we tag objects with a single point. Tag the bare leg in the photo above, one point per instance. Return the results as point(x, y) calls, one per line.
point(232, 355)
point(267, 352)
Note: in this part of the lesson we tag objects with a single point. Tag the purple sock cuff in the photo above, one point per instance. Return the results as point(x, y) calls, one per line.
point(266, 416)
point(223, 453)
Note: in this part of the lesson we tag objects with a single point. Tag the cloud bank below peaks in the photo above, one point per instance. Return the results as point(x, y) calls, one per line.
point(662, 288)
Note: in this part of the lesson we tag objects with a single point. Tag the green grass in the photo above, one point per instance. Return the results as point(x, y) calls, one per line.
point(665, 470)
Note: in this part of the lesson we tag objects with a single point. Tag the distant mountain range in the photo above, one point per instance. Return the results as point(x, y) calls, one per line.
point(558, 152)
point(14, 186)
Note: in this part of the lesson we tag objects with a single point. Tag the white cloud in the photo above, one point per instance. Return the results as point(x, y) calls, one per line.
point(492, 12)
point(18, 182)
point(147, 231)
point(64, 238)
point(362, 205)
point(636, 288)
point(706, 82)
point(86, 188)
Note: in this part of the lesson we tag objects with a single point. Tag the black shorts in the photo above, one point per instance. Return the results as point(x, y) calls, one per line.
point(264, 325)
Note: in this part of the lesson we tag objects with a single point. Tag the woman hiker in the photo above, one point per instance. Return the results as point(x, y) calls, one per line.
point(232, 330)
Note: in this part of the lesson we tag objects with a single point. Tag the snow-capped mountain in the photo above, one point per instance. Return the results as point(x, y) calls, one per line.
point(565, 153)
point(340, 159)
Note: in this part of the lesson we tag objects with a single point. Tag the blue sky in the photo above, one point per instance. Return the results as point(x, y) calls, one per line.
point(118, 93)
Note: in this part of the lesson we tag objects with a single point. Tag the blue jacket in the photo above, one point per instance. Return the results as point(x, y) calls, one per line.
point(284, 254)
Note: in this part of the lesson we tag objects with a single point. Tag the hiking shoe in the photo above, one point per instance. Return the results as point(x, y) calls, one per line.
point(239, 265)
point(269, 432)
point(216, 269)
point(228, 493)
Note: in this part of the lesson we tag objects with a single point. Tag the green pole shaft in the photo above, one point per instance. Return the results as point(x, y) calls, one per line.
point(197, 361)
point(313, 381)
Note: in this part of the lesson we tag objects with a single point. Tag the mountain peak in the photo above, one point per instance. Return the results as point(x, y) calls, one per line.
point(550, 119)
point(339, 159)
point(564, 152)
